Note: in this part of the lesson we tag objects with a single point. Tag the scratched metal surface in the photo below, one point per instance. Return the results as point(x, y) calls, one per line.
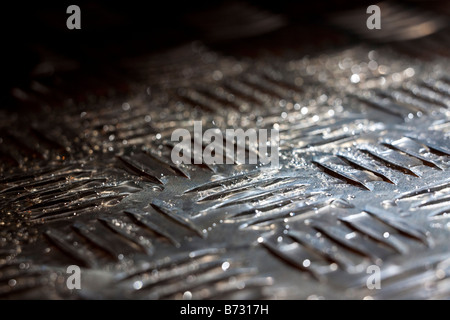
point(364, 179)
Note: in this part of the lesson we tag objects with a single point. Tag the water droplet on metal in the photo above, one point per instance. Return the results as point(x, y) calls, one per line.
point(225, 266)
point(187, 295)
point(137, 285)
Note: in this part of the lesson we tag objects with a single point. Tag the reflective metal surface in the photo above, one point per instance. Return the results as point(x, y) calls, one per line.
point(364, 175)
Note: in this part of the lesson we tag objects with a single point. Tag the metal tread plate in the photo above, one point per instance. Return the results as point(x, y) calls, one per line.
point(364, 180)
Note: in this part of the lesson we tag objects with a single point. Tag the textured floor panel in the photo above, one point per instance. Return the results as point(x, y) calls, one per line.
point(364, 179)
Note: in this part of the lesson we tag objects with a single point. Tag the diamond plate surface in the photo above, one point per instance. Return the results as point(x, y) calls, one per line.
point(364, 178)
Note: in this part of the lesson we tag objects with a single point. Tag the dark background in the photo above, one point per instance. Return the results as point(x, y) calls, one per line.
point(36, 45)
